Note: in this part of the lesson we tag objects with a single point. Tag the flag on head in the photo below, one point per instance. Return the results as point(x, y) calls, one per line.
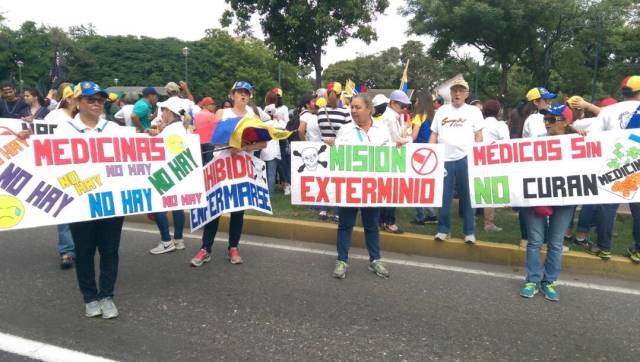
point(245, 130)
point(350, 87)
point(404, 81)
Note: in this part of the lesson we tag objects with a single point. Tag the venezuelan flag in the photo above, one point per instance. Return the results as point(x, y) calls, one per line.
point(245, 130)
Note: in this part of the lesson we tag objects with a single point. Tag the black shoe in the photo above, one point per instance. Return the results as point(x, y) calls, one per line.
point(416, 222)
point(66, 262)
point(431, 220)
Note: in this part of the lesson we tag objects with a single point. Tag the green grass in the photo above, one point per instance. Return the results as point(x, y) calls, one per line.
point(505, 218)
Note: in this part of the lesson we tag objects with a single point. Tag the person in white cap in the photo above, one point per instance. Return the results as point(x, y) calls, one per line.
point(380, 103)
point(457, 126)
point(400, 131)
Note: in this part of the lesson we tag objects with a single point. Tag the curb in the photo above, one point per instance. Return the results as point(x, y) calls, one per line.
point(417, 244)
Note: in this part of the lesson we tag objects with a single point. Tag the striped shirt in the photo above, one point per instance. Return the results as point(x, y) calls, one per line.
point(330, 120)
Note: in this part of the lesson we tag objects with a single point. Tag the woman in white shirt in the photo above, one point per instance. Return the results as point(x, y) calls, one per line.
point(361, 131)
point(534, 124)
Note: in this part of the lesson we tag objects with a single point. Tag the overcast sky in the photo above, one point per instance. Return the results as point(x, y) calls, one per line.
point(183, 19)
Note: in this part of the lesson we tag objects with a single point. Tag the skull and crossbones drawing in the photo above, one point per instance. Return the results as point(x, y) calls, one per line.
point(310, 159)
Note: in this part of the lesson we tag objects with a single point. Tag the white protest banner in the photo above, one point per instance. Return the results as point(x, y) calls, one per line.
point(233, 182)
point(9, 126)
point(601, 168)
point(364, 175)
point(47, 180)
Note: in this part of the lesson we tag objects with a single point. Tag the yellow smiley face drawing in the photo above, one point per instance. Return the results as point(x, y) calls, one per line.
point(174, 144)
point(11, 211)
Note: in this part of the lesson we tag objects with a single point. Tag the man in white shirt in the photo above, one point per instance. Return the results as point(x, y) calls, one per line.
point(622, 115)
point(457, 126)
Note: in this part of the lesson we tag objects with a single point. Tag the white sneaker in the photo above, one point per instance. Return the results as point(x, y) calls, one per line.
point(92, 309)
point(470, 239)
point(287, 190)
point(108, 308)
point(179, 243)
point(441, 237)
point(524, 243)
point(492, 227)
point(163, 247)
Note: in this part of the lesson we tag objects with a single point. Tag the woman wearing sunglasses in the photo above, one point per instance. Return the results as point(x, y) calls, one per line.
point(557, 121)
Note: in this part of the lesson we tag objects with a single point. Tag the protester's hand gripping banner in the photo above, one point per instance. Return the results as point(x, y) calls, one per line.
point(364, 175)
point(601, 168)
point(47, 180)
point(233, 182)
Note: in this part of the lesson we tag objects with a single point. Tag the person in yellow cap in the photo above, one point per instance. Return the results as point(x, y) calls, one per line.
point(541, 99)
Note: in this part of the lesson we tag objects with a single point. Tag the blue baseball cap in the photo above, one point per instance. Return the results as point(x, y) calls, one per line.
point(149, 91)
point(241, 84)
point(89, 88)
point(540, 92)
point(560, 110)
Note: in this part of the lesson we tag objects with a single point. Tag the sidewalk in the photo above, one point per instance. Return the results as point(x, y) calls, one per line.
point(415, 244)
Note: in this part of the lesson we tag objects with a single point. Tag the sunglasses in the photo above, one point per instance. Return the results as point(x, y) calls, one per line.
point(553, 119)
point(94, 100)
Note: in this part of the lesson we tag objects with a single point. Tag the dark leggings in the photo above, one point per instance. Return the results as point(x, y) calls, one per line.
point(235, 230)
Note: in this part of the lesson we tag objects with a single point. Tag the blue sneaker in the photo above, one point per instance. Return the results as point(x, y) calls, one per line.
point(529, 290)
point(550, 292)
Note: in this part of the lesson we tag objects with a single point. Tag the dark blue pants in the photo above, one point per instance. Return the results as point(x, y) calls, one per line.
point(163, 224)
point(605, 219)
point(370, 216)
point(235, 230)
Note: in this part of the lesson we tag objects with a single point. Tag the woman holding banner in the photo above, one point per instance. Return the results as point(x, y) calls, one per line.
point(241, 94)
point(101, 234)
point(557, 120)
point(361, 131)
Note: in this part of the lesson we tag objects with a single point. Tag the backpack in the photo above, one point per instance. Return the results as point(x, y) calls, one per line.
point(293, 124)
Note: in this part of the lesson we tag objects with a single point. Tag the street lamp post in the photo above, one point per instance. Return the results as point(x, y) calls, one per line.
point(20, 64)
point(185, 52)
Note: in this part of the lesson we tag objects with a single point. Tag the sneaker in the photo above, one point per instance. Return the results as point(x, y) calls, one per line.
point(108, 308)
point(634, 255)
point(66, 262)
point(550, 292)
point(568, 238)
point(529, 290)
point(163, 247)
point(584, 242)
point(92, 309)
point(336, 219)
point(287, 190)
point(492, 227)
point(234, 256)
point(416, 222)
point(393, 228)
point(179, 243)
point(202, 257)
point(340, 271)
point(602, 254)
point(323, 216)
point(431, 220)
point(470, 239)
point(524, 243)
point(441, 237)
point(377, 267)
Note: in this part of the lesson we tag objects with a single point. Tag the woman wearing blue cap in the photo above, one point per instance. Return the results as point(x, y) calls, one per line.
point(241, 95)
point(101, 234)
point(539, 99)
point(557, 121)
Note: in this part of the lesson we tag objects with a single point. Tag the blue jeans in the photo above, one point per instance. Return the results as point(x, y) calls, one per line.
point(635, 214)
point(284, 166)
point(586, 218)
point(370, 216)
point(163, 224)
point(558, 223)
point(457, 177)
point(423, 212)
point(387, 215)
point(605, 218)
point(272, 168)
point(235, 231)
point(65, 241)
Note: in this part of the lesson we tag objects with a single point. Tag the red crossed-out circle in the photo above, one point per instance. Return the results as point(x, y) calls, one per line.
point(424, 161)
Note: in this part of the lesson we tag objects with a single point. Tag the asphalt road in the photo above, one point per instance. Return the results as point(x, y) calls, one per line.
point(284, 305)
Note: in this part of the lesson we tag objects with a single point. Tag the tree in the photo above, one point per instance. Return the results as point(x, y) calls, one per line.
point(299, 29)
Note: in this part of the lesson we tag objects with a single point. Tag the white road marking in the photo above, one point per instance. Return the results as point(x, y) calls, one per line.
point(44, 352)
point(433, 266)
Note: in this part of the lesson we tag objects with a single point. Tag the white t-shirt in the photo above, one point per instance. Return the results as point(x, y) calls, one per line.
point(615, 116)
point(282, 113)
point(312, 133)
point(584, 123)
point(494, 130)
point(57, 116)
point(456, 129)
point(352, 134)
point(534, 126)
point(125, 114)
point(75, 125)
